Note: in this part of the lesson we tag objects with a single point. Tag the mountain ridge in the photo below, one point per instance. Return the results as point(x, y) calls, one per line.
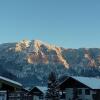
point(28, 60)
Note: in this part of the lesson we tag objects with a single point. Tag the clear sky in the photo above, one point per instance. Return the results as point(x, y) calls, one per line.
point(67, 23)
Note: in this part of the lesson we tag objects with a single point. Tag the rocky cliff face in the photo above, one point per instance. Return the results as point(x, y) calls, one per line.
point(37, 52)
point(31, 61)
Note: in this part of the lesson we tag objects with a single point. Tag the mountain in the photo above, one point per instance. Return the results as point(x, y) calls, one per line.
point(30, 62)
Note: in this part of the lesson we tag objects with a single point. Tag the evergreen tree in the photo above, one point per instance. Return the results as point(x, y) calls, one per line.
point(53, 91)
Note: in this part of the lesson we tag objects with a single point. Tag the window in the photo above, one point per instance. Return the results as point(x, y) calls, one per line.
point(79, 91)
point(41, 97)
point(63, 96)
point(87, 91)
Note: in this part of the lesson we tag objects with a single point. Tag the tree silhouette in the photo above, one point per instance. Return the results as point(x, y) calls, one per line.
point(53, 91)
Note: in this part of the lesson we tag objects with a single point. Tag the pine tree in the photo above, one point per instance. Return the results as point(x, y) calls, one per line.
point(53, 91)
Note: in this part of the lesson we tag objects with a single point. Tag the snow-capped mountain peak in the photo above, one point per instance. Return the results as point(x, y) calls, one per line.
point(38, 52)
point(36, 59)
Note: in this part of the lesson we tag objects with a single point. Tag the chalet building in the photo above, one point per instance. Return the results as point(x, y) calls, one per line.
point(10, 90)
point(80, 88)
point(38, 93)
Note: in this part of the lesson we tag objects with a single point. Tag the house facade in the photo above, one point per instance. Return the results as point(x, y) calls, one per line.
point(72, 88)
point(38, 93)
point(10, 90)
point(80, 88)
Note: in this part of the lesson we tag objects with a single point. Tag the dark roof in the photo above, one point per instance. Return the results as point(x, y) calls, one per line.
point(93, 83)
point(10, 82)
point(42, 89)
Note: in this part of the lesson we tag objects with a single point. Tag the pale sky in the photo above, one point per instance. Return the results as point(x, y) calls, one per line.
point(66, 23)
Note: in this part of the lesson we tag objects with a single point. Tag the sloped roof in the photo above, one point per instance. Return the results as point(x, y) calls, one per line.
point(4, 79)
point(93, 83)
point(41, 88)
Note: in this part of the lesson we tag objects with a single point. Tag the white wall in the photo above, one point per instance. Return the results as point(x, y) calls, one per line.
point(35, 97)
point(38, 98)
point(69, 93)
point(83, 96)
point(3, 95)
